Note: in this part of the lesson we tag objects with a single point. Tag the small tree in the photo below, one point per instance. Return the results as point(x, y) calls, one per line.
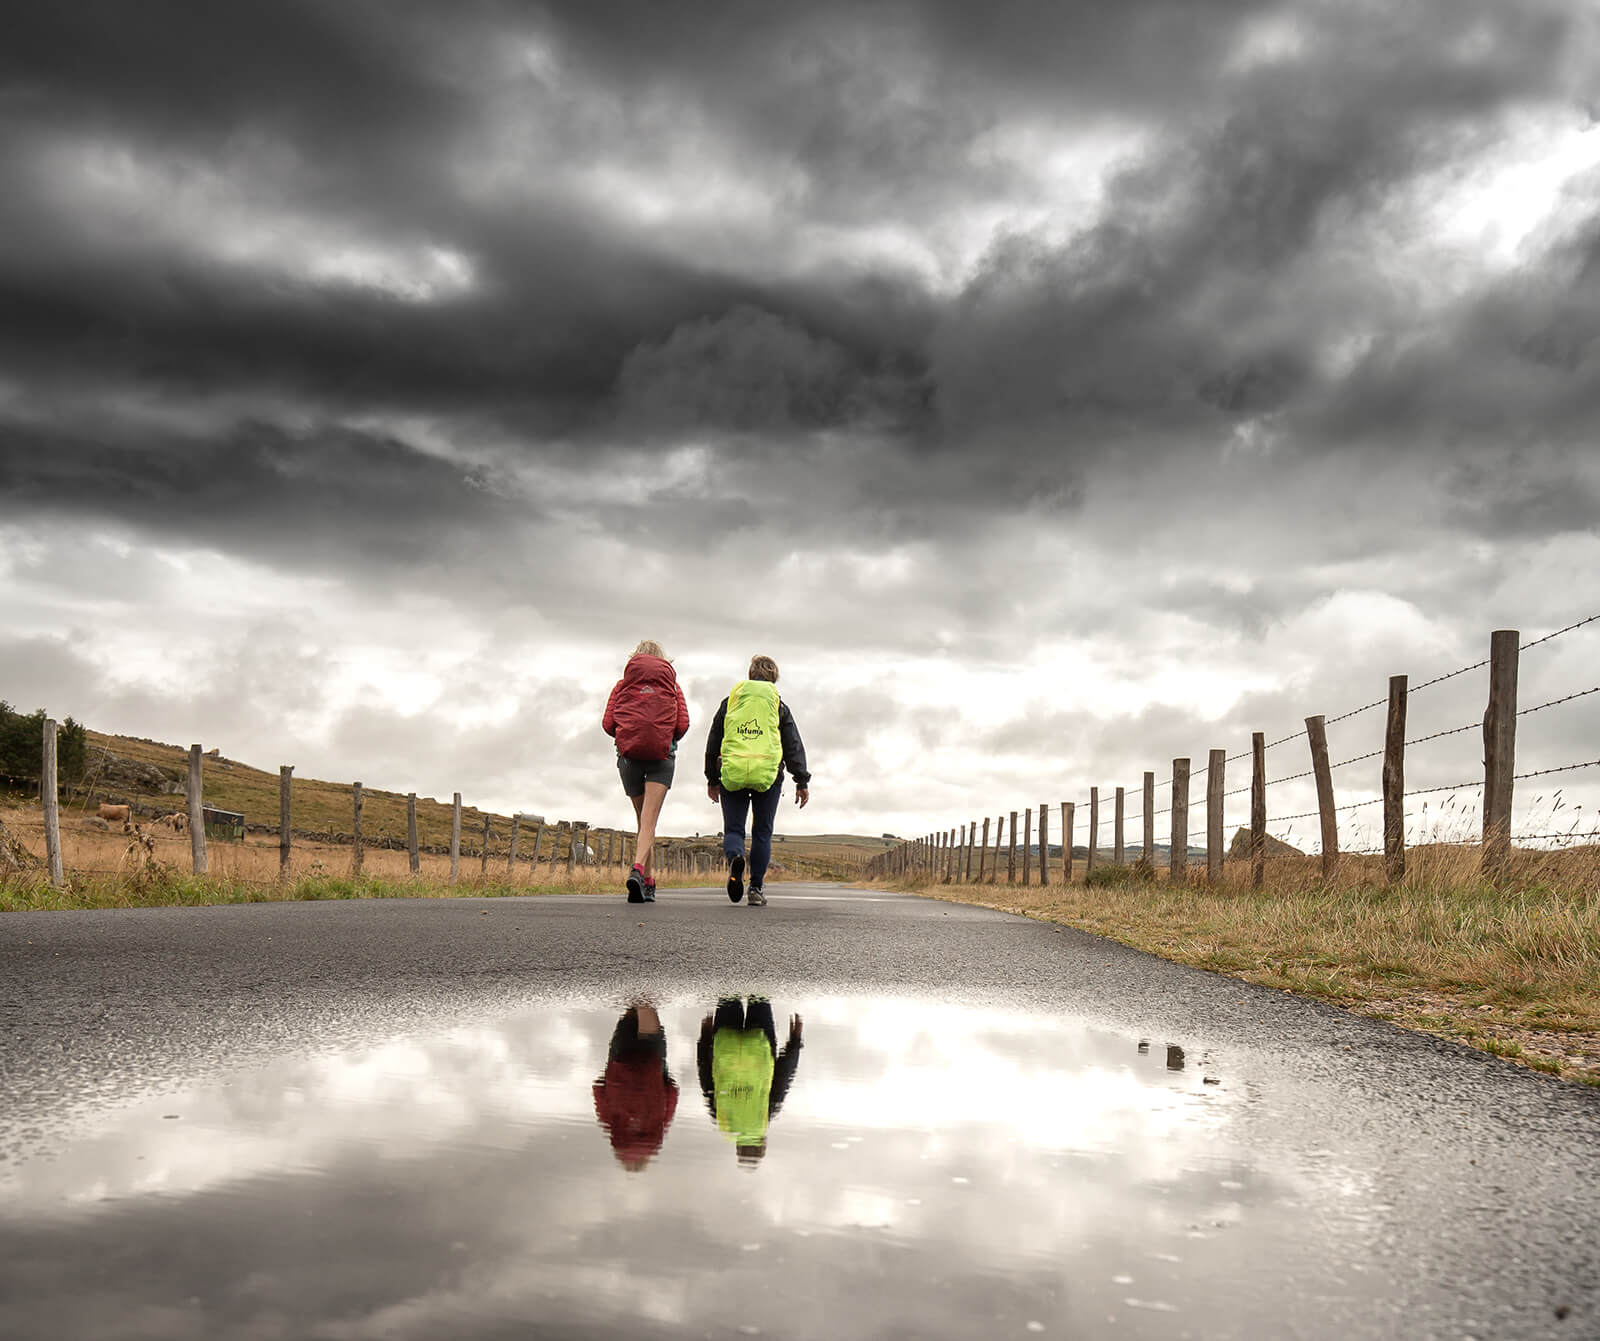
point(22, 746)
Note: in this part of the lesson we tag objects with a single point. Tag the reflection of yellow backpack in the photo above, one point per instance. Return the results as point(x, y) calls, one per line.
point(752, 749)
point(741, 1076)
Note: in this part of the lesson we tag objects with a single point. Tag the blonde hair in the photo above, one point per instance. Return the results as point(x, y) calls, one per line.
point(649, 647)
point(763, 668)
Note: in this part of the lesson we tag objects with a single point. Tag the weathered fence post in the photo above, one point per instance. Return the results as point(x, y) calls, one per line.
point(1258, 808)
point(1068, 812)
point(538, 837)
point(1499, 749)
point(1027, 845)
point(50, 799)
point(1011, 854)
point(972, 841)
point(357, 850)
point(1044, 843)
point(483, 856)
point(455, 839)
point(1178, 857)
point(1094, 832)
point(411, 833)
point(197, 812)
point(1394, 783)
point(1317, 734)
point(983, 852)
point(1216, 771)
point(1149, 817)
point(285, 837)
point(1117, 850)
point(572, 846)
point(511, 853)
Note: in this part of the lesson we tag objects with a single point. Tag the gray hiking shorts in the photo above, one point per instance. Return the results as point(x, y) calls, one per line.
point(636, 772)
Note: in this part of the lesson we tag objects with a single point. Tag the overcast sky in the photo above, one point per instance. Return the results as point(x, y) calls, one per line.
point(1051, 389)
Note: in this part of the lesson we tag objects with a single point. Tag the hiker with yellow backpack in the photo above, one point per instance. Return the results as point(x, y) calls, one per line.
point(753, 736)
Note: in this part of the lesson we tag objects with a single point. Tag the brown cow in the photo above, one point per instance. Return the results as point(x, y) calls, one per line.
point(177, 821)
point(115, 814)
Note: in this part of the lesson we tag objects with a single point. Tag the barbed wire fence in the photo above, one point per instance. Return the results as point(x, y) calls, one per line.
point(1410, 817)
point(569, 841)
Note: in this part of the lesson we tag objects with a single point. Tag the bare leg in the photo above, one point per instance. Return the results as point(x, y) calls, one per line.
point(648, 809)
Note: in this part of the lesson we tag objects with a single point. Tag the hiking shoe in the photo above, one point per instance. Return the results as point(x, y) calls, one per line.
point(757, 898)
point(636, 884)
point(649, 891)
point(736, 879)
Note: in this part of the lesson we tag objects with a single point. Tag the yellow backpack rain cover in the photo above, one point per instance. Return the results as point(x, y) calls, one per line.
point(752, 750)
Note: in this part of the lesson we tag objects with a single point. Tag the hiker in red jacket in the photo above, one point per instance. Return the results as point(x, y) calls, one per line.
point(636, 1096)
point(647, 717)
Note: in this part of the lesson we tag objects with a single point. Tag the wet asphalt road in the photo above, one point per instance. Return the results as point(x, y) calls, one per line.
point(1489, 1175)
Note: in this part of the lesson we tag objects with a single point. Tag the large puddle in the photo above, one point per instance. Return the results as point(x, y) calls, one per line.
point(827, 1167)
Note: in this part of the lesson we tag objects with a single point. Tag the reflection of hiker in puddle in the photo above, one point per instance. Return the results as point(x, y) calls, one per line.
point(742, 1074)
point(636, 1097)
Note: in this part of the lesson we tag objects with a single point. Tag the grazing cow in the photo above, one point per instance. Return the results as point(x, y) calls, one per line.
point(177, 821)
point(115, 814)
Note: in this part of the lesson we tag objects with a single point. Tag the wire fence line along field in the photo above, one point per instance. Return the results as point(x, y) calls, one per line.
point(570, 843)
point(1408, 817)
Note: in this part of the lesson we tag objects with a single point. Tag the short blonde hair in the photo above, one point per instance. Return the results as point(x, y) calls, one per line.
point(649, 647)
point(763, 668)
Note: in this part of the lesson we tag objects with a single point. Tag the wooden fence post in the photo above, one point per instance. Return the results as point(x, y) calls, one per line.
point(1118, 852)
point(1149, 818)
point(455, 839)
point(538, 837)
point(197, 812)
point(1068, 812)
point(285, 834)
point(50, 799)
point(1394, 783)
point(1499, 750)
point(411, 833)
point(572, 847)
point(1258, 809)
point(983, 852)
point(1317, 733)
point(1011, 855)
point(1094, 832)
point(1178, 857)
point(511, 854)
point(972, 841)
point(1216, 770)
point(1044, 843)
point(1027, 846)
point(357, 850)
point(483, 857)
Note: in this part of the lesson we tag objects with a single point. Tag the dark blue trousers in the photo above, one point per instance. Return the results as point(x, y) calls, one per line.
point(763, 810)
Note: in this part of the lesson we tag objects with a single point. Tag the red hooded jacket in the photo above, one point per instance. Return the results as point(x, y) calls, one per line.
point(646, 712)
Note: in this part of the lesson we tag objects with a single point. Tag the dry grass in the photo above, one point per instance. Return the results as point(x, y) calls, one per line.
point(1512, 967)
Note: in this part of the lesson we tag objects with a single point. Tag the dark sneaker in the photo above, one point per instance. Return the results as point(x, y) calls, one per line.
point(757, 898)
point(736, 879)
point(636, 884)
point(649, 891)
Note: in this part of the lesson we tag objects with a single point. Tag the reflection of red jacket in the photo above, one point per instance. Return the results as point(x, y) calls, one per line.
point(646, 712)
point(635, 1101)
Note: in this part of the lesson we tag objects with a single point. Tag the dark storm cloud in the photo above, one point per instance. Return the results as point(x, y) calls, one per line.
point(1236, 243)
point(259, 489)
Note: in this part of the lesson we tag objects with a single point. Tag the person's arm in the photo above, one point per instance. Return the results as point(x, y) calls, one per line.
point(784, 1068)
point(682, 728)
point(714, 751)
point(794, 750)
point(608, 723)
